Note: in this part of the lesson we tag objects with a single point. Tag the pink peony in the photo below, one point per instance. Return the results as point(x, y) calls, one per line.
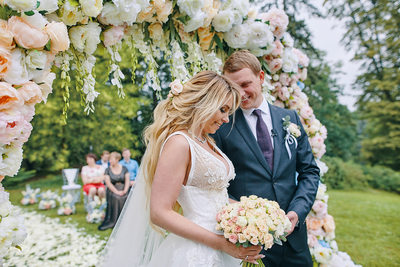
point(278, 50)
point(6, 37)
point(329, 224)
point(5, 57)
point(314, 223)
point(275, 65)
point(31, 93)
point(303, 59)
point(320, 208)
point(113, 35)
point(278, 21)
point(25, 35)
point(306, 112)
point(14, 128)
point(284, 79)
point(9, 97)
point(58, 34)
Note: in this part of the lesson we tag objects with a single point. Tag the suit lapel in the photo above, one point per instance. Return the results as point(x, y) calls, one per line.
point(244, 130)
point(278, 138)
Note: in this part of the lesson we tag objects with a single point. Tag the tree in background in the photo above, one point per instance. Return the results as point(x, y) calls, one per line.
point(321, 86)
point(117, 122)
point(373, 29)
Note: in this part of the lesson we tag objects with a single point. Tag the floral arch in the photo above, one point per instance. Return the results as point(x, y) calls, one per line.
point(191, 35)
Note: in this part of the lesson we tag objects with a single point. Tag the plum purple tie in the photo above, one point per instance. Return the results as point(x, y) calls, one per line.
point(263, 139)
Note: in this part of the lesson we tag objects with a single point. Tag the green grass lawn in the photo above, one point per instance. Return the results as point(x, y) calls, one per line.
point(54, 182)
point(367, 226)
point(367, 222)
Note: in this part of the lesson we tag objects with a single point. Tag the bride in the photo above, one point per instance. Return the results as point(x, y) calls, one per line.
point(182, 172)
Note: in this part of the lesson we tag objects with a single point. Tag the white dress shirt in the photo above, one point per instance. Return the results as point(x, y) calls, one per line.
point(252, 119)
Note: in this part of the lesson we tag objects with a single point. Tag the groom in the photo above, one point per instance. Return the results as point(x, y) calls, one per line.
point(265, 165)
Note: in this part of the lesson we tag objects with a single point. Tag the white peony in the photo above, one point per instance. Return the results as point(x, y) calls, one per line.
point(70, 13)
point(290, 61)
point(223, 21)
point(114, 15)
point(259, 35)
point(45, 82)
point(21, 5)
point(195, 22)
point(37, 20)
point(10, 160)
point(91, 8)
point(241, 6)
point(287, 40)
point(237, 37)
point(190, 7)
point(48, 5)
point(85, 38)
point(17, 72)
point(36, 59)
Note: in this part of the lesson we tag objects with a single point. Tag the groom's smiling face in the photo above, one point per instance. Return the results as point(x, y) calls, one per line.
point(250, 85)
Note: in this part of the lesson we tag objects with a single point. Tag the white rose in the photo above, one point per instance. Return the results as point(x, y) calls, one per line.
point(17, 72)
point(237, 37)
point(190, 7)
point(113, 15)
point(91, 8)
point(71, 14)
point(223, 21)
point(242, 7)
point(37, 20)
point(176, 87)
point(287, 40)
point(195, 22)
point(36, 59)
point(85, 38)
point(290, 61)
point(241, 221)
point(12, 158)
point(259, 35)
point(21, 5)
point(48, 5)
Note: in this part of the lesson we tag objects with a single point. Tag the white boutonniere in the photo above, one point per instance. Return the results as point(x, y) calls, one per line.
point(292, 131)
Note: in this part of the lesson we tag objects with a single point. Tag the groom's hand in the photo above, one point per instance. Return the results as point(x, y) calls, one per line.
point(293, 219)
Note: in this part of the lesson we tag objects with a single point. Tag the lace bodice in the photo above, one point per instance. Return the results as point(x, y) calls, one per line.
point(205, 192)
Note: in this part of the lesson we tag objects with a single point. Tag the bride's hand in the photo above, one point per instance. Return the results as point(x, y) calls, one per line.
point(249, 254)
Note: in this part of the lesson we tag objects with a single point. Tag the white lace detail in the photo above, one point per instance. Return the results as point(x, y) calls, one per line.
point(204, 194)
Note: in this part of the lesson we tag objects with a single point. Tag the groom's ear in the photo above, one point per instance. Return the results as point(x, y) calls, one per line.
point(261, 76)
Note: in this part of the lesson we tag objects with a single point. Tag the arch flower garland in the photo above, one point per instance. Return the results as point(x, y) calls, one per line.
point(191, 34)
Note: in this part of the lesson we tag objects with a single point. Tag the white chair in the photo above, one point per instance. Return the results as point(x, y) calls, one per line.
point(70, 178)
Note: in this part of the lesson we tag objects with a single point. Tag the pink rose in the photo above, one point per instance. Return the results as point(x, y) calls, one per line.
point(278, 21)
point(6, 37)
point(5, 58)
point(31, 93)
point(320, 208)
point(9, 97)
point(278, 50)
point(275, 65)
point(25, 35)
point(312, 240)
point(283, 93)
point(279, 103)
point(233, 238)
point(176, 87)
point(113, 35)
point(303, 59)
point(329, 224)
point(58, 34)
point(314, 223)
point(306, 112)
point(284, 79)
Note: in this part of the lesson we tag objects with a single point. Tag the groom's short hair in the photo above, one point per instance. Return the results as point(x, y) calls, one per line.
point(242, 59)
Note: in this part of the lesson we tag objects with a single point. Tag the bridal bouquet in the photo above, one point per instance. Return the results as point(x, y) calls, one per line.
point(253, 221)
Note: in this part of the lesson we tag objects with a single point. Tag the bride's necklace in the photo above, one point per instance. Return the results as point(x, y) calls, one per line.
point(203, 141)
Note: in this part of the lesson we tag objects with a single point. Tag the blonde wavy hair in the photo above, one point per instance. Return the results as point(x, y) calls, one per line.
point(201, 97)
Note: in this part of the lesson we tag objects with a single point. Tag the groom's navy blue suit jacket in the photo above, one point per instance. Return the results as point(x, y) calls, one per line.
point(254, 176)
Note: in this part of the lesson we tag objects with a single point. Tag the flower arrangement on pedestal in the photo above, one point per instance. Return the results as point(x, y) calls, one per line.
point(30, 196)
point(48, 200)
point(67, 205)
point(96, 210)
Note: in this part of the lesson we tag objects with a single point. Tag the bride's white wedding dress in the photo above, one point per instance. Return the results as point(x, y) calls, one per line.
point(204, 194)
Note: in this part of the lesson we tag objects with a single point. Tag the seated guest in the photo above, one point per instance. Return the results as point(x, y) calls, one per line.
point(93, 178)
point(130, 164)
point(117, 181)
point(104, 161)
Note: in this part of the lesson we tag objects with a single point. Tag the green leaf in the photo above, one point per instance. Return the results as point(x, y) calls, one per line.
point(47, 47)
point(18, 247)
point(29, 13)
